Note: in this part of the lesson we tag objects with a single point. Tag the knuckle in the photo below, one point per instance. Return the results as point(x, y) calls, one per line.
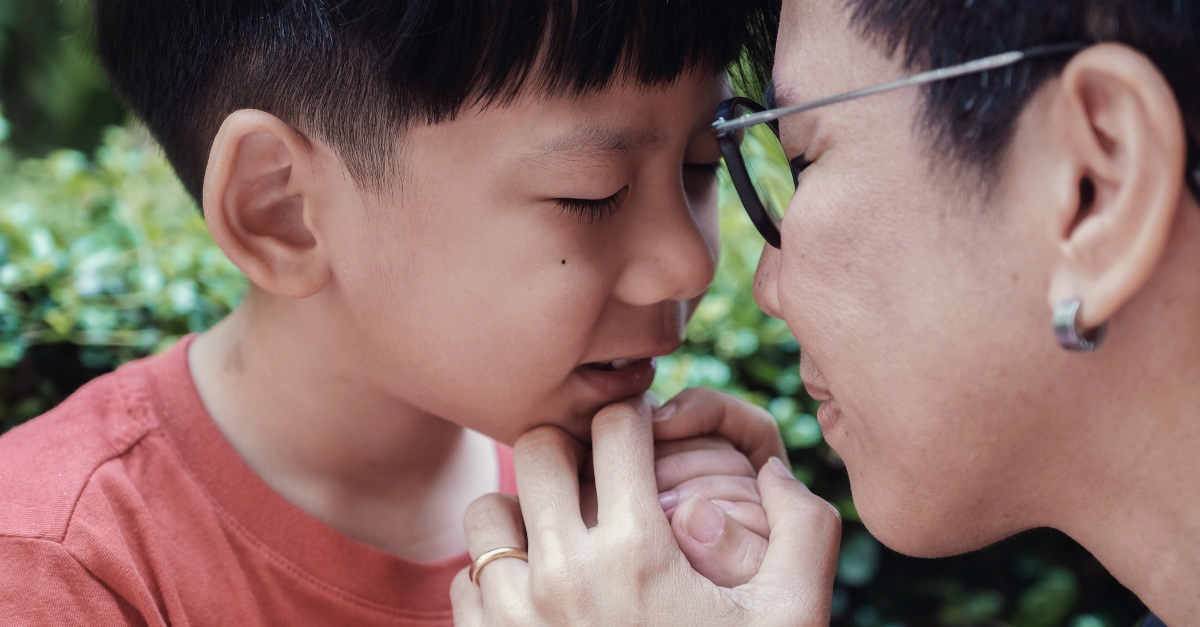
point(619, 417)
point(538, 438)
point(487, 513)
point(510, 612)
point(553, 554)
point(461, 585)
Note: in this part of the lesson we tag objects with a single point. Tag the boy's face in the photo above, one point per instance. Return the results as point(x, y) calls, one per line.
point(522, 249)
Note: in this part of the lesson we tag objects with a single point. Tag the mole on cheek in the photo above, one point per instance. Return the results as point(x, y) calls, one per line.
point(564, 262)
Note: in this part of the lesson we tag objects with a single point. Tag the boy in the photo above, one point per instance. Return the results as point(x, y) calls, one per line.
point(460, 220)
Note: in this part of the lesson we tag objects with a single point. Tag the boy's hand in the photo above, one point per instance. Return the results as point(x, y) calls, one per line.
point(709, 492)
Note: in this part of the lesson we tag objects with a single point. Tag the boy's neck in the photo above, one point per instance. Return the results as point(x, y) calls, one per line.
point(363, 462)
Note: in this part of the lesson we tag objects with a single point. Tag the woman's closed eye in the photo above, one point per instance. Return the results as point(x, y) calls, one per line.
point(798, 165)
point(593, 210)
point(704, 171)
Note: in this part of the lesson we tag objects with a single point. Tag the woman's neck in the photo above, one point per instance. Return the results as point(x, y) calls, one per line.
point(1133, 493)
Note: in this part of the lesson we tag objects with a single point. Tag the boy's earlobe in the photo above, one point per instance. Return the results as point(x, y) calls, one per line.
point(260, 207)
point(1121, 126)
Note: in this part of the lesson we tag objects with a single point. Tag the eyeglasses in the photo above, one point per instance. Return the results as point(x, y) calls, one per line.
point(765, 179)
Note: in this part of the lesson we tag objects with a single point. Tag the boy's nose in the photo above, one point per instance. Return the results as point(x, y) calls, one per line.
point(671, 258)
point(766, 281)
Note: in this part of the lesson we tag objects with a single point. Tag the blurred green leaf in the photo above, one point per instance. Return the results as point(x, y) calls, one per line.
point(1049, 601)
point(859, 559)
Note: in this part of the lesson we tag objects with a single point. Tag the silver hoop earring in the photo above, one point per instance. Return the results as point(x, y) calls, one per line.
point(1066, 328)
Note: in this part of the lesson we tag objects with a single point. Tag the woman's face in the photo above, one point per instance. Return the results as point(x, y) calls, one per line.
point(920, 308)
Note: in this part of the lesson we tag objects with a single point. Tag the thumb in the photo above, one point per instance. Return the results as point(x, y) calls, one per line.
point(718, 547)
point(801, 559)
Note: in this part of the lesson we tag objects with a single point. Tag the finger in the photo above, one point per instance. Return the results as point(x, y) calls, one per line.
point(798, 569)
point(718, 547)
point(701, 411)
point(466, 601)
point(736, 489)
point(749, 515)
point(494, 521)
point(623, 458)
point(546, 460)
point(674, 470)
point(665, 448)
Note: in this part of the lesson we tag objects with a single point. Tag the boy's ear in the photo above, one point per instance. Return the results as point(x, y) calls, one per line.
point(260, 207)
point(1122, 131)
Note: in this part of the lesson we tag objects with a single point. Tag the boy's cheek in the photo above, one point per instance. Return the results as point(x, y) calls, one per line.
point(694, 303)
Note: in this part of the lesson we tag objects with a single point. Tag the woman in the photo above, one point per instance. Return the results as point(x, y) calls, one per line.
point(996, 282)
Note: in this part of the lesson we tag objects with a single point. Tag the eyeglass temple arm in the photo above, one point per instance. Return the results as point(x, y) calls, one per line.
point(954, 71)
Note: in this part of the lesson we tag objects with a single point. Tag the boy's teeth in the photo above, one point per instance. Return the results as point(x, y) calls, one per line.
point(617, 364)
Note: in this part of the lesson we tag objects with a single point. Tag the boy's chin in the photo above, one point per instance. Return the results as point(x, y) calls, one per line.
point(578, 425)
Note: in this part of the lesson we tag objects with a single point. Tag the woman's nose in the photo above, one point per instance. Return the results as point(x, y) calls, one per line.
point(766, 281)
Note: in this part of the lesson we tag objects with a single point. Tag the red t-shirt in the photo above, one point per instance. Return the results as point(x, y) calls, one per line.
point(126, 506)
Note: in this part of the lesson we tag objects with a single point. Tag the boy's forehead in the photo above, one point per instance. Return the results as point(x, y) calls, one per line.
point(598, 139)
point(615, 121)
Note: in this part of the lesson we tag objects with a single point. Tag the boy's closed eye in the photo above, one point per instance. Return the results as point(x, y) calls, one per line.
point(593, 210)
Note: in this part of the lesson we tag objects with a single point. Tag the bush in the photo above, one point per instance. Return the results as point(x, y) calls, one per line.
point(101, 261)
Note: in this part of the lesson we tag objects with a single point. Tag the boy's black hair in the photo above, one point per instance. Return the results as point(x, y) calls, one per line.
point(355, 72)
point(974, 116)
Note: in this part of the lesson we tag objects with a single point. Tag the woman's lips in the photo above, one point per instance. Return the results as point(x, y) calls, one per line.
point(632, 378)
point(828, 415)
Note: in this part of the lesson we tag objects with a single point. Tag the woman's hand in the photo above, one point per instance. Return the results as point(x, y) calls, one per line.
point(628, 569)
point(709, 492)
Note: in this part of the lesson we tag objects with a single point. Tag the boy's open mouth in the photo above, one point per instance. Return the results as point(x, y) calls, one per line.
point(615, 364)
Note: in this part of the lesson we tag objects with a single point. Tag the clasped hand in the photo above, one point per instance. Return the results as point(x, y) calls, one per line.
point(630, 564)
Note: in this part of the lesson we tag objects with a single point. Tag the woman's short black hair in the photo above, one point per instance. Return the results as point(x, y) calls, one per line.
point(355, 72)
point(974, 116)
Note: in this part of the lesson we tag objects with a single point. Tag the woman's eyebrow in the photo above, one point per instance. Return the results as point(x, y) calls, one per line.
point(779, 94)
point(591, 141)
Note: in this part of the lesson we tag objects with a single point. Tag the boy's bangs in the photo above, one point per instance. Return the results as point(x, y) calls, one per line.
point(355, 72)
point(467, 52)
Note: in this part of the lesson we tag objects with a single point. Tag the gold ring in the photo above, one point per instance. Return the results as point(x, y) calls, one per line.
point(493, 555)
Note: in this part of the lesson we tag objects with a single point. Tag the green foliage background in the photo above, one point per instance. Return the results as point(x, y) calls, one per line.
point(104, 258)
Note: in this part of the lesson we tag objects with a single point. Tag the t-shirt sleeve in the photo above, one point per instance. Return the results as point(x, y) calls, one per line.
point(41, 584)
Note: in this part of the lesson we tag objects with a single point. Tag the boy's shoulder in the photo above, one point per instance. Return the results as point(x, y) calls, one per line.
point(46, 463)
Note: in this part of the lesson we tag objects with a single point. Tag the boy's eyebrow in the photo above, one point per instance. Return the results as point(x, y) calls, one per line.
point(599, 140)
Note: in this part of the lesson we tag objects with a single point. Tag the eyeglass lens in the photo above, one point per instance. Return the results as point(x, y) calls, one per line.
point(767, 165)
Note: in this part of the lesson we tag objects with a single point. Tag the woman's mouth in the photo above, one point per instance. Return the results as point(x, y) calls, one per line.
point(619, 379)
point(616, 364)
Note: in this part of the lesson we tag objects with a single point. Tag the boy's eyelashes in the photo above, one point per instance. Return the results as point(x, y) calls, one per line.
point(593, 210)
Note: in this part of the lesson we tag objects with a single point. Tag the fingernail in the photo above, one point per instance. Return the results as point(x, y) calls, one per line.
point(779, 468)
point(664, 413)
point(725, 505)
point(705, 523)
point(668, 500)
point(652, 400)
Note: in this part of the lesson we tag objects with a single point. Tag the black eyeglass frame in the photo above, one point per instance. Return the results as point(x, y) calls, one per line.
point(726, 128)
point(730, 144)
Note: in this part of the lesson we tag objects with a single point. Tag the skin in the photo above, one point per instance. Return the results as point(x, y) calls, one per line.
point(388, 338)
point(923, 302)
point(924, 310)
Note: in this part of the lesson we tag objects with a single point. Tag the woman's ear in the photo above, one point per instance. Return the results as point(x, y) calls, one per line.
point(260, 207)
point(1121, 127)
